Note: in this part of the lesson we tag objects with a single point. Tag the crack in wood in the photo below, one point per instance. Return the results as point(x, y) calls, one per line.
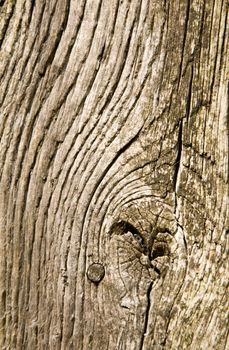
point(147, 312)
point(178, 158)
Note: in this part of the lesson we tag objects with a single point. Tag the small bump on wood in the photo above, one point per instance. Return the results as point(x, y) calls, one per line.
point(95, 272)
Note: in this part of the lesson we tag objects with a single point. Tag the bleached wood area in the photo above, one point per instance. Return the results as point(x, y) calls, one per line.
point(114, 175)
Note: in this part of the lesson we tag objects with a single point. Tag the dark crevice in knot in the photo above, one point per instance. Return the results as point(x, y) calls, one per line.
point(156, 247)
point(122, 227)
point(159, 249)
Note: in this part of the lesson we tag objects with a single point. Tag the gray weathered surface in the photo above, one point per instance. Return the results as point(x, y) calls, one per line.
point(114, 150)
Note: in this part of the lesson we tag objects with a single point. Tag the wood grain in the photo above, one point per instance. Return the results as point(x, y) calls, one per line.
point(114, 150)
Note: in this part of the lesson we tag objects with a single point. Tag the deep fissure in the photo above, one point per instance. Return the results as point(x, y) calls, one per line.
point(147, 312)
point(178, 158)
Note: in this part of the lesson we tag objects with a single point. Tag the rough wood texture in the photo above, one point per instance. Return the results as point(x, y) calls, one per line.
point(114, 150)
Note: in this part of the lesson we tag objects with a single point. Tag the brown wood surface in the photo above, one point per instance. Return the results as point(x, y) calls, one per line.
point(114, 175)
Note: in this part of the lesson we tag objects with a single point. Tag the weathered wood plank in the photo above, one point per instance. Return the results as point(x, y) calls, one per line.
point(114, 151)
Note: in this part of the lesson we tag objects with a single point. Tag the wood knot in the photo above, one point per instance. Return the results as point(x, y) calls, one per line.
point(95, 272)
